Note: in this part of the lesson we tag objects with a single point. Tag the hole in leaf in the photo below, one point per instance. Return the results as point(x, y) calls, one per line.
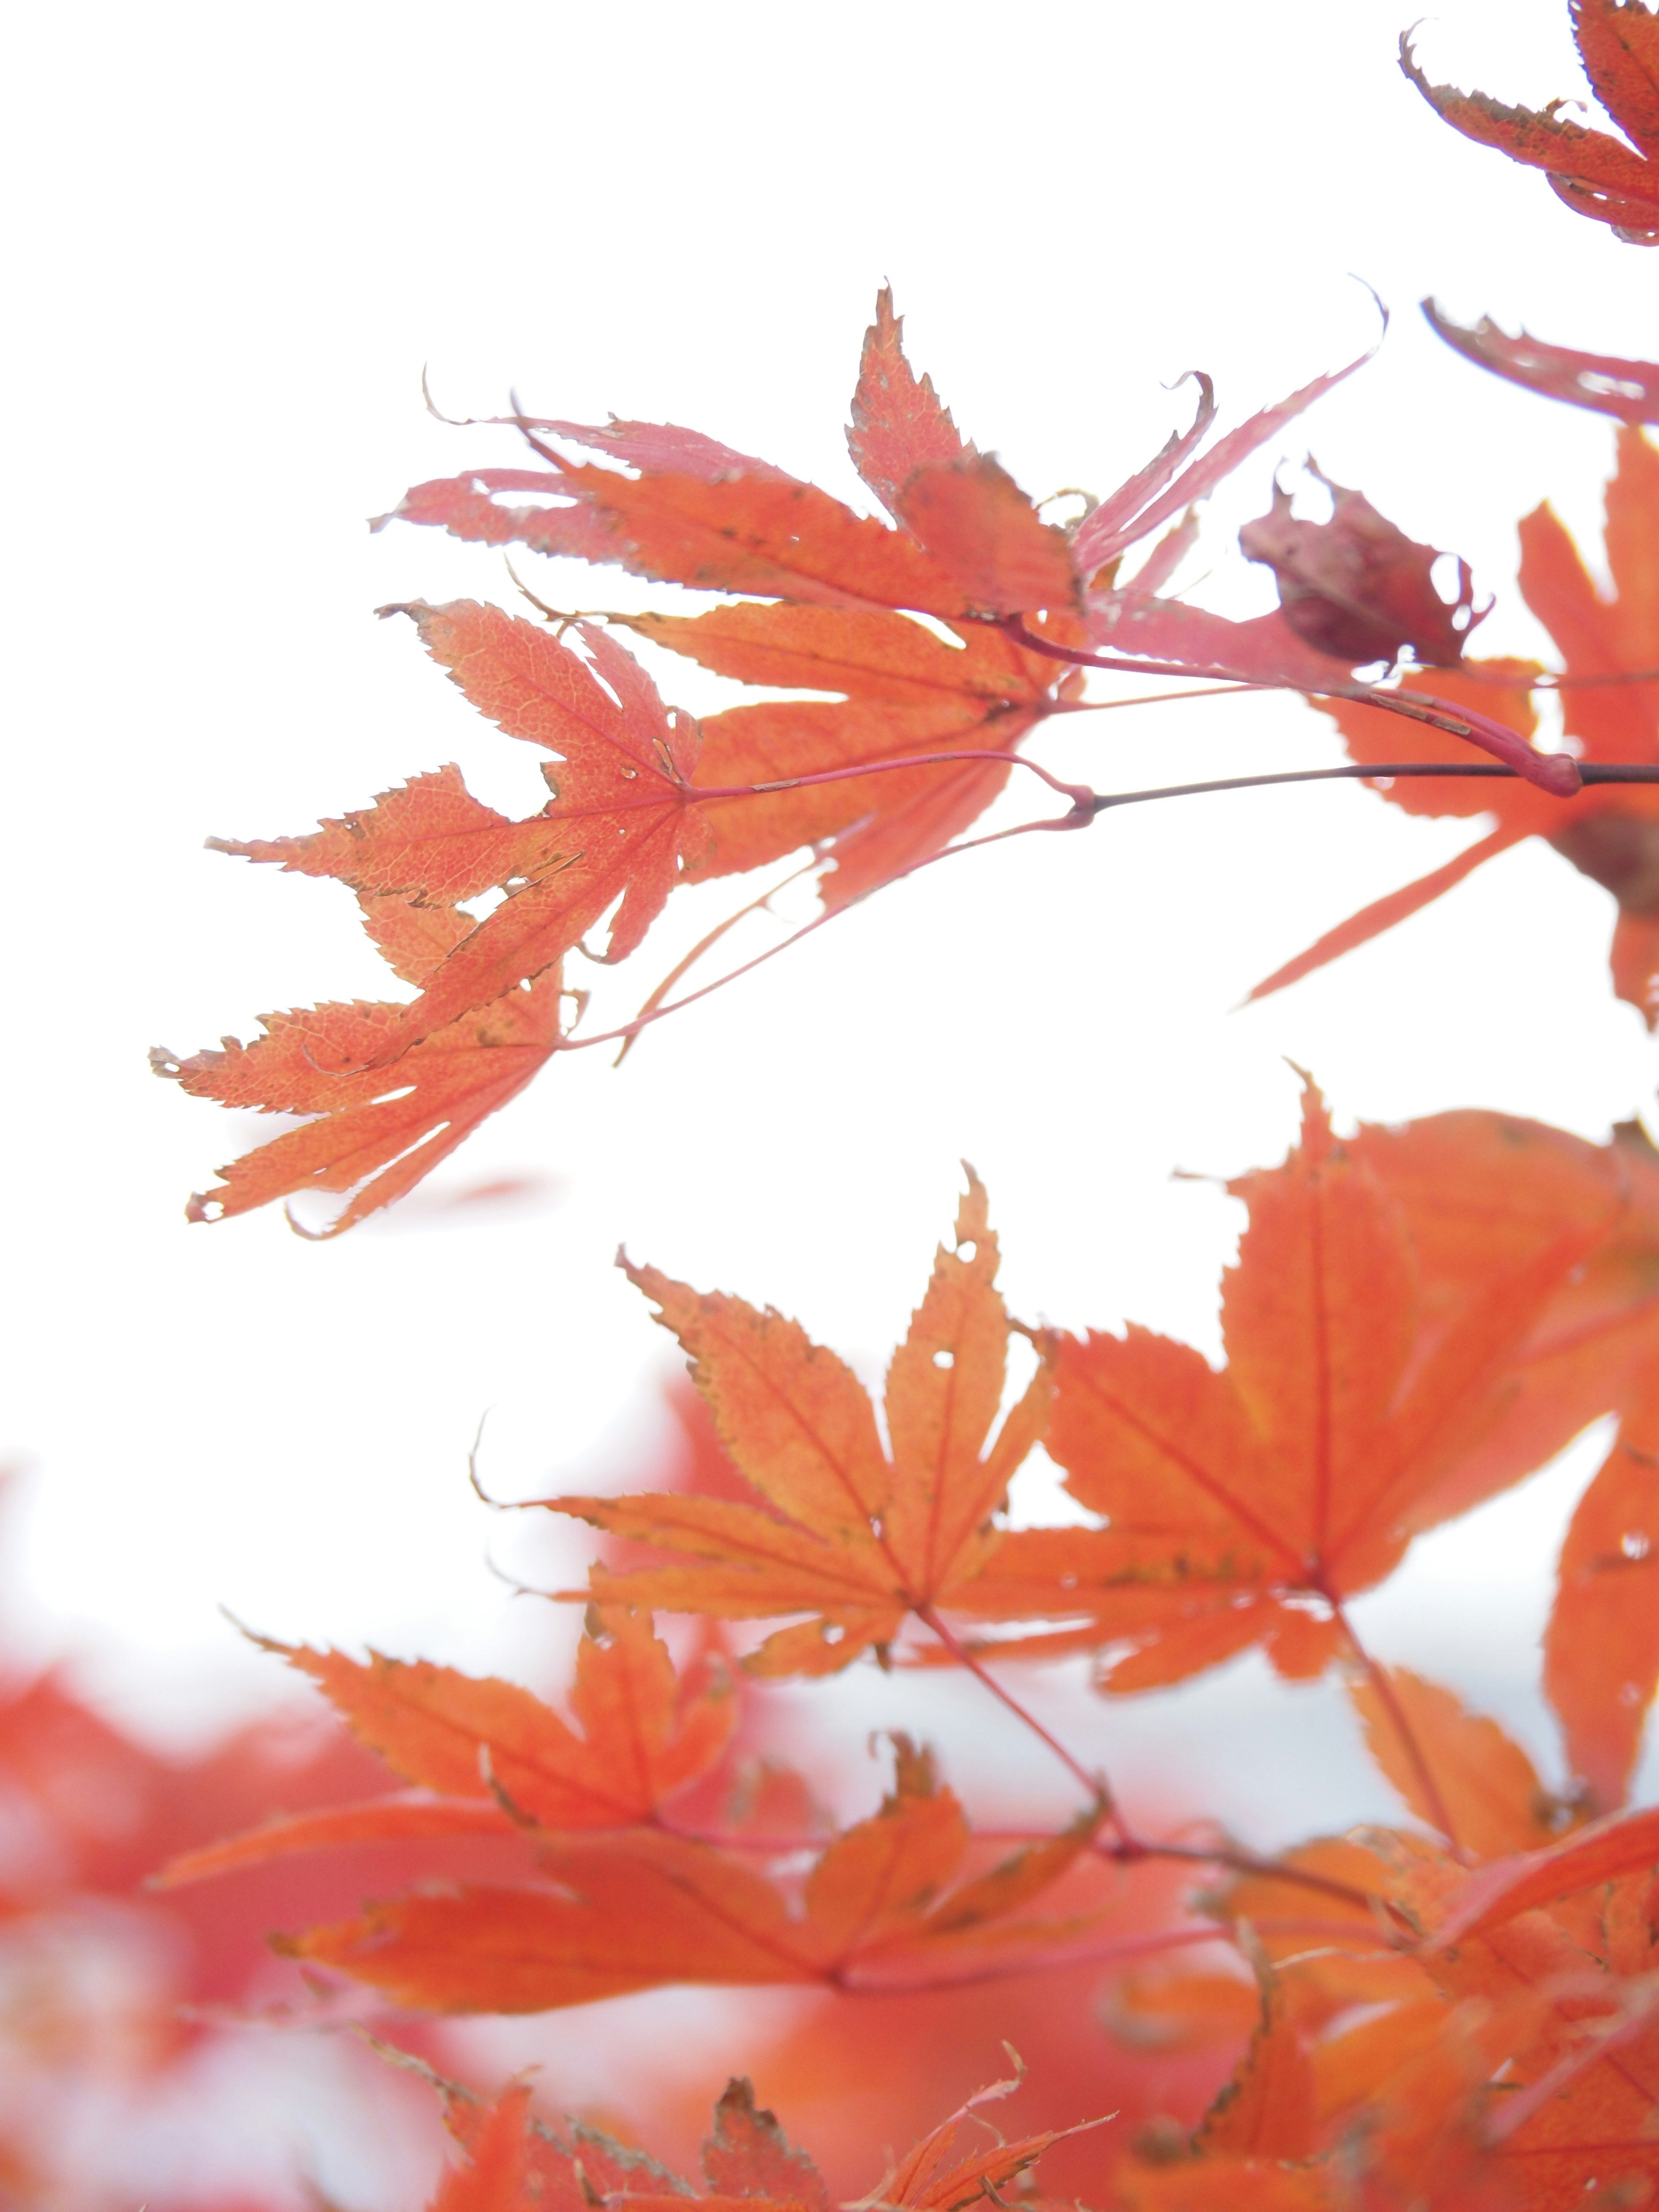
point(1444, 575)
point(1635, 1543)
point(966, 1250)
point(945, 1359)
point(1611, 387)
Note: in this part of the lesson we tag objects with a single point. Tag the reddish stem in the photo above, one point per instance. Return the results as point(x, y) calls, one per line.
point(1075, 820)
point(1078, 794)
point(1087, 805)
point(1121, 1853)
point(1433, 1799)
point(1128, 1846)
point(1556, 773)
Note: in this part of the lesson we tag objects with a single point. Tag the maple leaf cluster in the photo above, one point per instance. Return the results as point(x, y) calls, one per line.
point(1455, 2013)
point(1609, 680)
point(1418, 1317)
point(947, 637)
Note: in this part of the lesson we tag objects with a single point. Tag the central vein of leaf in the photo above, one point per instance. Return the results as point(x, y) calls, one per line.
point(1201, 1478)
point(831, 1460)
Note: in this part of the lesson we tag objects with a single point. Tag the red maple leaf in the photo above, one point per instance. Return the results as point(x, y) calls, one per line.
point(1357, 587)
point(1594, 174)
point(1610, 832)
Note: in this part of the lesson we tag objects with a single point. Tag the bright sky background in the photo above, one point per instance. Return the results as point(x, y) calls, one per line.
point(239, 234)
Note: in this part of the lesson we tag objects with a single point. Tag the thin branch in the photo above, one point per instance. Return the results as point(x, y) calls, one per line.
point(1589, 772)
point(1077, 819)
point(706, 945)
point(1236, 1862)
point(1216, 690)
point(1077, 792)
point(1098, 1788)
point(1416, 706)
point(1088, 805)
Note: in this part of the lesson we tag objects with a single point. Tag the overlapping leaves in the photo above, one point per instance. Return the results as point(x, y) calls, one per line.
point(517, 2164)
point(916, 739)
point(1611, 832)
point(1418, 1316)
point(1433, 2035)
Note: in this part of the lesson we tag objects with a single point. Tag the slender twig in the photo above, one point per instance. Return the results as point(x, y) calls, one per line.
point(707, 944)
point(1075, 820)
point(1589, 772)
point(1121, 1854)
point(1215, 690)
point(699, 794)
point(1088, 805)
point(1097, 1785)
point(1236, 1861)
point(1434, 1801)
point(1416, 706)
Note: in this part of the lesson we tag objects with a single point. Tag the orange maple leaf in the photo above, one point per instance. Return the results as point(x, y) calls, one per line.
point(1429, 2054)
point(1454, 1766)
point(904, 691)
point(969, 543)
point(619, 825)
point(516, 2163)
point(876, 782)
point(1609, 832)
point(499, 1756)
point(969, 548)
point(374, 1132)
point(1594, 174)
point(1602, 1645)
point(1244, 1507)
point(1477, 1191)
point(852, 1538)
point(890, 1898)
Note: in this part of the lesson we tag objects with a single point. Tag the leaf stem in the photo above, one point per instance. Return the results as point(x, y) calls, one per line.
point(1381, 1682)
point(1222, 1855)
point(1074, 820)
point(1554, 773)
point(1088, 805)
point(1099, 1789)
point(1589, 772)
point(1077, 792)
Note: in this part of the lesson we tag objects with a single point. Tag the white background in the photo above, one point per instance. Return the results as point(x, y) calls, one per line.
point(238, 234)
